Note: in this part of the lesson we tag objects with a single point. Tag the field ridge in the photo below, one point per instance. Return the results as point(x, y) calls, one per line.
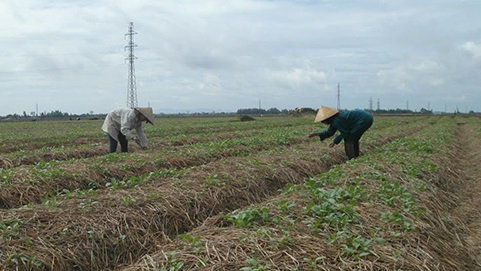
point(102, 229)
point(443, 237)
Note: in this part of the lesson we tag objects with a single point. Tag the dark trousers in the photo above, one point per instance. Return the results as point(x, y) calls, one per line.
point(351, 145)
point(122, 140)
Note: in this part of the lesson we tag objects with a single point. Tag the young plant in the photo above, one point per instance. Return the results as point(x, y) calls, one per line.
point(250, 217)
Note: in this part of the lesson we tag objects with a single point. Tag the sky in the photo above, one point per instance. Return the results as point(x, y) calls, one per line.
point(224, 55)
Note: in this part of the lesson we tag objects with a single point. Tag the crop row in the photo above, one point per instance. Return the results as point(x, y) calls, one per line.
point(20, 136)
point(95, 148)
point(100, 229)
point(62, 137)
point(383, 211)
point(30, 184)
point(48, 136)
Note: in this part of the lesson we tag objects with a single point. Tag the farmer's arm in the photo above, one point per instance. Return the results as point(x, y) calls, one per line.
point(327, 133)
point(141, 136)
point(126, 124)
point(338, 138)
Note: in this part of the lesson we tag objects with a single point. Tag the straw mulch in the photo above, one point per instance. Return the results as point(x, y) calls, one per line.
point(446, 236)
point(102, 230)
point(99, 230)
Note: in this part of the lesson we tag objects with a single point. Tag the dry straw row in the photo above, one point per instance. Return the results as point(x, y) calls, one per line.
point(103, 230)
point(438, 243)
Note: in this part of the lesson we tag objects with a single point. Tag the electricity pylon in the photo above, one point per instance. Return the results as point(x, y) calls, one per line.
point(131, 85)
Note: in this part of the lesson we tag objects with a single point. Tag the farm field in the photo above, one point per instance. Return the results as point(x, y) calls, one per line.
point(215, 193)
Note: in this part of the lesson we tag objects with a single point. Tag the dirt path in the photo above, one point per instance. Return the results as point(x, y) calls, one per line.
point(468, 190)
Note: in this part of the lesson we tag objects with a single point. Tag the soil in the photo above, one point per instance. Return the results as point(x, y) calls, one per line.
point(466, 164)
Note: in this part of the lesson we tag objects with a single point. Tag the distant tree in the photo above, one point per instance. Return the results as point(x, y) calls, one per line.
point(301, 111)
point(425, 111)
point(254, 111)
point(393, 111)
point(273, 111)
point(260, 111)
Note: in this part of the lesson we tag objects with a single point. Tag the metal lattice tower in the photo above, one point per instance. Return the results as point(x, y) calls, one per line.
point(131, 85)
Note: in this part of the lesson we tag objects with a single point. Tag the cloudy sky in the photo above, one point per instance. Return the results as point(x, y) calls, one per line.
point(222, 55)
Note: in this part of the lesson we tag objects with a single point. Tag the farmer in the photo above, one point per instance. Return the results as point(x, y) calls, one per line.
point(119, 123)
point(351, 124)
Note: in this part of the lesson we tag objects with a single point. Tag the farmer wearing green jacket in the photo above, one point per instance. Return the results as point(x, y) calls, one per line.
point(350, 123)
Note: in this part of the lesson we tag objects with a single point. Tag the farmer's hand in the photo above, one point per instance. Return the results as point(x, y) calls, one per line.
point(137, 140)
point(313, 135)
point(332, 144)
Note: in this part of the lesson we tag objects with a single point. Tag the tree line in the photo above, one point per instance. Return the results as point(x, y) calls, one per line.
point(260, 111)
point(55, 114)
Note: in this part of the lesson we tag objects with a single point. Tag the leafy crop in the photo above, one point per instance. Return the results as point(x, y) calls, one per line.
point(121, 206)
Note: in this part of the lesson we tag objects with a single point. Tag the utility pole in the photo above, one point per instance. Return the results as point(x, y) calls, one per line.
point(131, 85)
point(338, 96)
point(378, 104)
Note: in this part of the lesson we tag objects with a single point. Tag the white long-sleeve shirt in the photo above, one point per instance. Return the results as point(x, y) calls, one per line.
point(124, 120)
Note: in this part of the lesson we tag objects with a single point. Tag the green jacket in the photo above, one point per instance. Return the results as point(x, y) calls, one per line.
point(350, 123)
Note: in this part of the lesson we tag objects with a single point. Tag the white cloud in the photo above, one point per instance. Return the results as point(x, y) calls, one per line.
point(211, 84)
point(290, 53)
point(473, 48)
point(409, 77)
point(298, 77)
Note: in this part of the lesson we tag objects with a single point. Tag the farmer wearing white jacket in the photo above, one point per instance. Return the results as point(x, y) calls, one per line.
point(119, 123)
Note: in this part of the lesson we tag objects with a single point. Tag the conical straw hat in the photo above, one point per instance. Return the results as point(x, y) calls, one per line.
point(324, 113)
point(147, 112)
